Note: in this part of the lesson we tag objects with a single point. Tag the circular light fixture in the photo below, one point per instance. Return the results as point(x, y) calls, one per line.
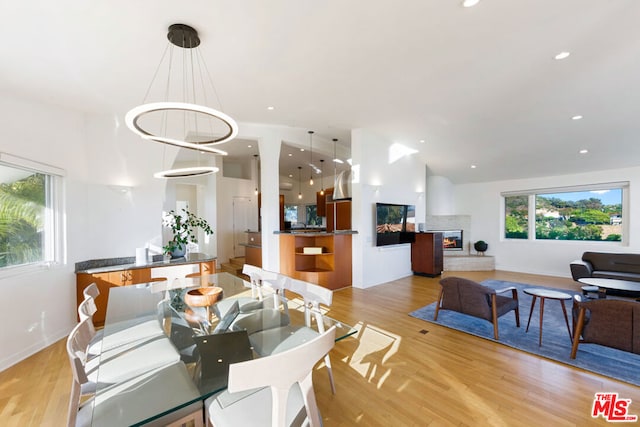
point(576, 117)
point(584, 151)
point(136, 113)
point(186, 172)
point(191, 109)
point(562, 55)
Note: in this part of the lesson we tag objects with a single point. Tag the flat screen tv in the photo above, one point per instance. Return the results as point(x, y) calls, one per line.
point(395, 224)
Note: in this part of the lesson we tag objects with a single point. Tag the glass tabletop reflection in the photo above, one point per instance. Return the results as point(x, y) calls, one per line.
point(167, 346)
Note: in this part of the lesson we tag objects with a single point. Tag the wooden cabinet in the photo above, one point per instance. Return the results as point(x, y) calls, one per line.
point(106, 281)
point(339, 215)
point(321, 202)
point(426, 254)
point(109, 279)
point(331, 267)
point(253, 249)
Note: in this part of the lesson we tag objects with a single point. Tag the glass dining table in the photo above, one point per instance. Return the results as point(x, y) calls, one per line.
point(166, 347)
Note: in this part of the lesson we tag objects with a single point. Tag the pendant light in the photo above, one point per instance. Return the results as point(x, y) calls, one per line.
point(255, 156)
point(311, 157)
point(181, 117)
point(322, 177)
point(299, 183)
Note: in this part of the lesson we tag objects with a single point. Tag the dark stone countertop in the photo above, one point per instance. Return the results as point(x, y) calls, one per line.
point(129, 263)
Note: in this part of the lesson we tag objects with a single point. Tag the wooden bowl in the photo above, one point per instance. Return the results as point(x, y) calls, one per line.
point(203, 297)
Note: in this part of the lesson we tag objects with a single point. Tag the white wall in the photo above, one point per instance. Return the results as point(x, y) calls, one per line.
point(483, 202)
point(96, 152)
point(377, 178)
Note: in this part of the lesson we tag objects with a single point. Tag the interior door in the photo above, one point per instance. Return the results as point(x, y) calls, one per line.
point(241, 223)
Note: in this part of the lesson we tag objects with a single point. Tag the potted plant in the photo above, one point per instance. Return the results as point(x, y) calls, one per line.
point(481, 246)
point(184, 227)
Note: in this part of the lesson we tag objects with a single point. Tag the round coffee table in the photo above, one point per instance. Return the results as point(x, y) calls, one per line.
point(614, 284)
point(544, 294)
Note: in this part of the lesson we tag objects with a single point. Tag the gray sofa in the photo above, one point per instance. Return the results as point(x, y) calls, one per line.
point(609, 266)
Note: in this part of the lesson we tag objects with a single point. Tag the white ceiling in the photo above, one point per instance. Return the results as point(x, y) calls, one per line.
point(479, 85)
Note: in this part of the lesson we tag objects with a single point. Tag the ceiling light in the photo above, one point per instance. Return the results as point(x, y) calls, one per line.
point(186, 121)
point(271, 108)
point(576, 118)
point(584, 151)
point(186, 172)
point(311, 157)
point(470, 3)
point(422, 141)
point(473, 166)
point(562, 55)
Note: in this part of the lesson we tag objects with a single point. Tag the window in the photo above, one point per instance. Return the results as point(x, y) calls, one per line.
point(30, 220)
point(302, 215)
point(516, 219)
point(594, 213)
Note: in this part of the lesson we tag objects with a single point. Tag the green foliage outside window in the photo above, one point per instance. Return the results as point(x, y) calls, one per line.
point(516, 217)
point(22, 205)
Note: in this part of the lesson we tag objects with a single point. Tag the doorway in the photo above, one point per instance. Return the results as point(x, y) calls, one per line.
point(242, 211)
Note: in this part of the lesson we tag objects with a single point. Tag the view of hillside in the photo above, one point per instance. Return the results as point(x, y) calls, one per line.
point(563, 219)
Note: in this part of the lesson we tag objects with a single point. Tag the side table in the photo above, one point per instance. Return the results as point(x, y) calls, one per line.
point(544, 294)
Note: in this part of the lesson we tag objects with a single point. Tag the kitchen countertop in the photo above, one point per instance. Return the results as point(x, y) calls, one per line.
point(311, 232)
point(129, 263)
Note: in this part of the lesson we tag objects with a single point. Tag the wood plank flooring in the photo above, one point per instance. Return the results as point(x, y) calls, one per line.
point(399, 371)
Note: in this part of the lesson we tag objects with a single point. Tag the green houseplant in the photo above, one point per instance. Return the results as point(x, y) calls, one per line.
point(184, 228)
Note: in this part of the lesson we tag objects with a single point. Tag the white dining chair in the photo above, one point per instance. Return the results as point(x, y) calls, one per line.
point(283, 385)
point(174, 272)
point(314, 295)
point(77, 343)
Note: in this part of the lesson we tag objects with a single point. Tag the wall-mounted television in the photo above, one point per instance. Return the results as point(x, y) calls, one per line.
point(395, 224)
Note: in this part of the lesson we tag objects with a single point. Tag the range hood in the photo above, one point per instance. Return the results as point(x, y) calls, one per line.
point(342, 187)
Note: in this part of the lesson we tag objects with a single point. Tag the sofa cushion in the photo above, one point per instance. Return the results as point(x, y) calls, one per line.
point(623, 263)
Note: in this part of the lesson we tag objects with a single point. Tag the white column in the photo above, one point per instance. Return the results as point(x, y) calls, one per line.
point(269, 147)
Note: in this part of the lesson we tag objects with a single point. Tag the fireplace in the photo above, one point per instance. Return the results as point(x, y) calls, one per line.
point(451, 239)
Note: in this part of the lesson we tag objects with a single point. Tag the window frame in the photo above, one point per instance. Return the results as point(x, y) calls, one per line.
point(54, 240)
point(531, 222)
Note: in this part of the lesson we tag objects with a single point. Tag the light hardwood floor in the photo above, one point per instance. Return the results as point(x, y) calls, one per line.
point(392, 374)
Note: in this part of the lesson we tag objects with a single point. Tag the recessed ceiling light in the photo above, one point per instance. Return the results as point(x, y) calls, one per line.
point(270, 108)
point(249, 146)
point(473, 166)
point(470, 3)
point(290, 154)
point(302, 149)
point(584, 151)
point(576, 117)
point(422, 141)
point(562, 55)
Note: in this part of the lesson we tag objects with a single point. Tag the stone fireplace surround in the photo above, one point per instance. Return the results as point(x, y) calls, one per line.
point(466, 259)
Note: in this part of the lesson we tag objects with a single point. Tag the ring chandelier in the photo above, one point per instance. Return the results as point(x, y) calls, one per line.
point(182, 117)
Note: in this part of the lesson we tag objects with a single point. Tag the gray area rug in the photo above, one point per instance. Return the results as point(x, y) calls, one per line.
point(556, 343)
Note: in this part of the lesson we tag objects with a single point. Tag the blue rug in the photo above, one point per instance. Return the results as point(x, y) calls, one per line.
point(556, 344)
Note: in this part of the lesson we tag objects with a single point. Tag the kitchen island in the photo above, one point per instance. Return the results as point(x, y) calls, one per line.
point(323, 258)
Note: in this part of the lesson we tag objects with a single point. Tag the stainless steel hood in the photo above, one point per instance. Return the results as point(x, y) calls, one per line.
point(342, 188)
